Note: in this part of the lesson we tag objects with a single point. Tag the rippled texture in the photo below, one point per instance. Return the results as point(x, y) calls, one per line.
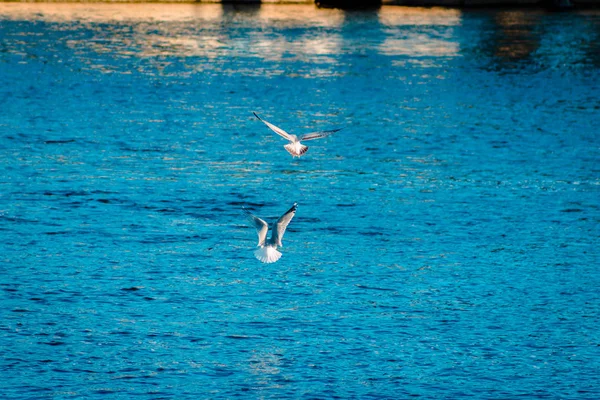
point(446, 242)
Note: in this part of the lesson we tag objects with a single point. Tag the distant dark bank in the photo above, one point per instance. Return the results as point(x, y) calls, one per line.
point(361, 4)
point(555, 4)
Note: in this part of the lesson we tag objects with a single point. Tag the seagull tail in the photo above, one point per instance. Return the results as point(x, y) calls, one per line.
point(296, 149)
point(267, 254)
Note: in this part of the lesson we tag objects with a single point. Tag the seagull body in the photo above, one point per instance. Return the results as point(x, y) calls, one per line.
point(267, 251)
point(295, 148)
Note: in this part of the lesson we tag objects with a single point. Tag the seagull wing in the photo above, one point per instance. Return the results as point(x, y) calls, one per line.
point(261, 227)
point(282, 223)
point(277, 130)
point(318, 135)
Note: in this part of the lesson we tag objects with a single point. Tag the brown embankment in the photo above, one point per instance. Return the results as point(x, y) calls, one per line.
point(346, 3)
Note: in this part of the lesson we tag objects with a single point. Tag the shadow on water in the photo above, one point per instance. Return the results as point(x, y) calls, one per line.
point(515, 38)
point(508, 39)
point(250, 8)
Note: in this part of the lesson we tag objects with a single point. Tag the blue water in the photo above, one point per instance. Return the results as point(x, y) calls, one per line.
point(445, 245)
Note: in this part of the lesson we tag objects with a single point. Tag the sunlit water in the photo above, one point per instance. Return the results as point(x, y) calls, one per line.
point(445, 245)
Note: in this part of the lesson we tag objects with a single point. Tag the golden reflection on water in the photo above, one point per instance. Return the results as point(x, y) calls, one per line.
point(105, 12)
point(399, 16)
point(316, 36)
point(289, 15)
point(419, 45)
point(433, 38)
point(208, 32)
point(296, 15)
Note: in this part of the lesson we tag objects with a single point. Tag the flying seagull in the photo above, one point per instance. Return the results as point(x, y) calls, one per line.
point(295, 148)
point(267, 251)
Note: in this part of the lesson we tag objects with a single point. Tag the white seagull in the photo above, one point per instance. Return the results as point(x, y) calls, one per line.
point(267, 251)
point(295, 148)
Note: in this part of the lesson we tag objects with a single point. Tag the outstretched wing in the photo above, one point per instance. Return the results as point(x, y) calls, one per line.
point(318, 135)
point(282, 223)
point(261, 227)
point(275, 129)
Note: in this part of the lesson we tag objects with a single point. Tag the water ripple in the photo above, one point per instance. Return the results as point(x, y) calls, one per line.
point(448, 234)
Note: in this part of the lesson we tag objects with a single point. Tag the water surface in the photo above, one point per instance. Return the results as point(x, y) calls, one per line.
point(446, 242)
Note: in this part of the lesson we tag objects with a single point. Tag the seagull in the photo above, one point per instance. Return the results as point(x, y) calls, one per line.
point(295, 148)
point(267, 251)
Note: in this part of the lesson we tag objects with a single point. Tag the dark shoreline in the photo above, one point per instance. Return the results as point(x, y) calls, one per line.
point(357, 4)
